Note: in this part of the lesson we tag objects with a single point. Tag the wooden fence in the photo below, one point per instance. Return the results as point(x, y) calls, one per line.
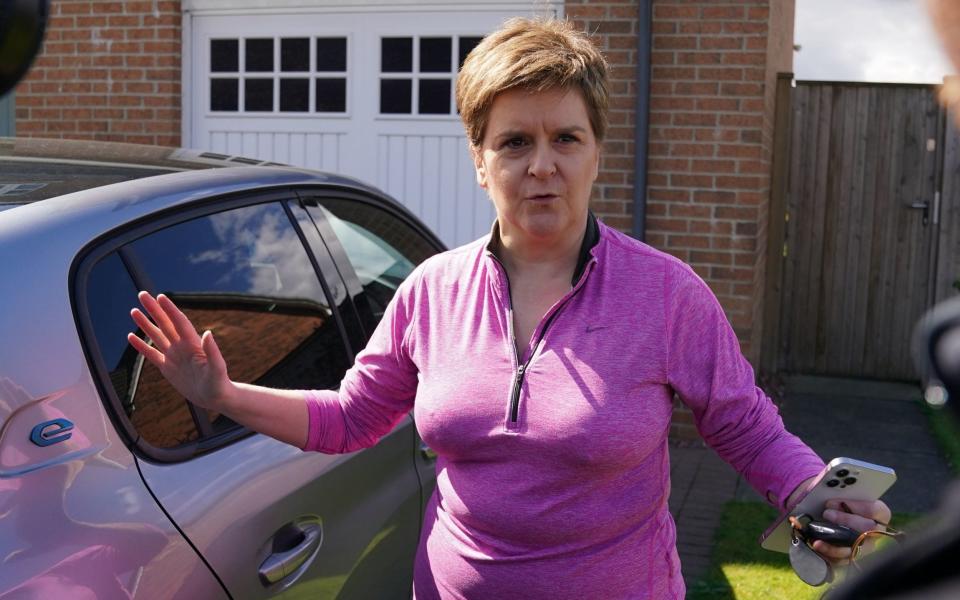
point(865, 226)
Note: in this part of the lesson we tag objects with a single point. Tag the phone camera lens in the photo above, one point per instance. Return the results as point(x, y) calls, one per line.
point(842, 473)
point(833, 483)
point(850, 480)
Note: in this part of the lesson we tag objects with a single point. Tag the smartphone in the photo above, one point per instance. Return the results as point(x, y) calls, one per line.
point(842, 478)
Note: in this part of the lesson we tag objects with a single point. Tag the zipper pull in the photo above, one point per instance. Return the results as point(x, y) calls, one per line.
point(518, 382)
point(515, 398)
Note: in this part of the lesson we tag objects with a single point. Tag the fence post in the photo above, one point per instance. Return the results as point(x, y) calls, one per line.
point(776, 227)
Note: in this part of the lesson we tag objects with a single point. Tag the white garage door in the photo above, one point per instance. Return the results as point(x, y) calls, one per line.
point(367, 94)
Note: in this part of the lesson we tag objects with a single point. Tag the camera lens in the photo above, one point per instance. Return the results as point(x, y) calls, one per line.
point(833, 483)
point(850, 480)
point(842, 473)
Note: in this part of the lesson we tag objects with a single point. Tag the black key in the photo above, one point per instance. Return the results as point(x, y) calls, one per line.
point(831, 533)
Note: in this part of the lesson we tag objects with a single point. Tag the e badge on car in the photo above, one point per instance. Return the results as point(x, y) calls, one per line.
point(51, 432)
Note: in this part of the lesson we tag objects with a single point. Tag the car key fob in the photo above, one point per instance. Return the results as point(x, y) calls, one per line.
point(831, 533)
point(809, 566)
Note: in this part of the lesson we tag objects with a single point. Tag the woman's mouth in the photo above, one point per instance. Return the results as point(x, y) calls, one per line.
point(542, 197)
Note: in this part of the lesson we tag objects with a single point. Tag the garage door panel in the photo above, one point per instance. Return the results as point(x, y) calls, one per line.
point(421, 159)
point(313, 150)
point(413, 190)
point(430, 182)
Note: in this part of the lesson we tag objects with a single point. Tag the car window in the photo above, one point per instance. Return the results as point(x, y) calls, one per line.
point(245, 275)
point(382, 249)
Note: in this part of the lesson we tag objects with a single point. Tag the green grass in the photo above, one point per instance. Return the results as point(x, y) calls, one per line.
point(946, 431)
point(742, 570)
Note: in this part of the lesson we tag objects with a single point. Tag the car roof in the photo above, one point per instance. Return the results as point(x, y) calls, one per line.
point(36, 169)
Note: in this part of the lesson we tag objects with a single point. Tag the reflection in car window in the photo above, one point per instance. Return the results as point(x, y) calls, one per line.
point(382, 249)
point(371, 257)
point(111, 294)
point(245, 275)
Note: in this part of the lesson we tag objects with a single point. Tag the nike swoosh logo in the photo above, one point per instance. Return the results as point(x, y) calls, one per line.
point(592, 328)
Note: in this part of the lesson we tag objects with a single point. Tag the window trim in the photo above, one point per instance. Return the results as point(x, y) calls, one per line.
point(335, 247)
point(112, 241)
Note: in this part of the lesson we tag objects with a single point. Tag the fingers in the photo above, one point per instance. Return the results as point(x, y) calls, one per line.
point(182, 325)
point(873, 509)
point(856, 522)
point(835, 553)
point(148, 351)
point(159, 316)
point(153, 332)
point(861, 515)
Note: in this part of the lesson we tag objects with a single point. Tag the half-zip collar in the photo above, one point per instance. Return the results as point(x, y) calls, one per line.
point(591, 238)
point(584, 260)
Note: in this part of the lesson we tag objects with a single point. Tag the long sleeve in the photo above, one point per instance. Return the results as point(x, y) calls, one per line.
point(376, 392)
point(712, 377)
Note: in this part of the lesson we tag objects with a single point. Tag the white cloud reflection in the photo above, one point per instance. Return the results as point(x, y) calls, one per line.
point(263, 251)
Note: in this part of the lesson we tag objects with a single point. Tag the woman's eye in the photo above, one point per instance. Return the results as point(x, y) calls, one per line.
point(513, 143)
point(568, 137)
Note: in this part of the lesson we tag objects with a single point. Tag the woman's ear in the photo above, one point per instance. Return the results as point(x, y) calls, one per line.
point(478, 165)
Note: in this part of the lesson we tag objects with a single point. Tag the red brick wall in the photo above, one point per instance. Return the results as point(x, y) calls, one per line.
point(711, 128)
point(710, 144)
point(614, 25)
point(713, 82)
point(108, 71)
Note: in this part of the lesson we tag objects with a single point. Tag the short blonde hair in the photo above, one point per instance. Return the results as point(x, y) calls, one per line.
point(535, 55)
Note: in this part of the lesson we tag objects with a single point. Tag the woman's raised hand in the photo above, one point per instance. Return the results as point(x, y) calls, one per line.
point(191, 363)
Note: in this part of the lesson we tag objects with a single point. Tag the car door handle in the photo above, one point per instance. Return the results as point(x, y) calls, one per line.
point(284, 563)
point(427, 452)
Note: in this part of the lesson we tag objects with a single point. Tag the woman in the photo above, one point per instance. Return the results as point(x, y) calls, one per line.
point(540, 361)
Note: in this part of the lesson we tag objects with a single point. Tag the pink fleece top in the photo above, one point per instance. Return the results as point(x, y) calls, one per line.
point(565, 494)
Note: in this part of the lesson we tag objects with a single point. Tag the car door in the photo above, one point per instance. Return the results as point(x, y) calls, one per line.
point(271, 520)
point(375, 244)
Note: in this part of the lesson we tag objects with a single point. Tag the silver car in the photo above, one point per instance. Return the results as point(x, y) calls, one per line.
point(111, 484)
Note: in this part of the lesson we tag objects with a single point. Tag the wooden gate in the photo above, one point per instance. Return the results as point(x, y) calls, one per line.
point(865, 245)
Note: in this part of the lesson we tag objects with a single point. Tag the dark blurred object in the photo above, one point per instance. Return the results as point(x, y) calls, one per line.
point(926, 565)
point(936, 349)
point(22, 23)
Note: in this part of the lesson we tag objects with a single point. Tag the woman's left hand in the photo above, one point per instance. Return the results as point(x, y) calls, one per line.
point(859, 515)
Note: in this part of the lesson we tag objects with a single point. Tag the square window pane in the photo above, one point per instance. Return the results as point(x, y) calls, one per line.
point(435, 54)
point(396, 55)
point(331, 54)
point(395, 96)
point(466, 45)
point(295, 54)
point(294, 95)
point(331, 94)
point(224, 94)
point(434, 97)
point(224, 56)
point(259, 54)
point(258, 95)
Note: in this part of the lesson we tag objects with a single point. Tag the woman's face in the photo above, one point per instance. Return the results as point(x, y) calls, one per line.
point(538, 160)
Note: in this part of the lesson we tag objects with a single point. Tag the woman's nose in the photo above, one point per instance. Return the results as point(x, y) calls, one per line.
point(543, 162)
